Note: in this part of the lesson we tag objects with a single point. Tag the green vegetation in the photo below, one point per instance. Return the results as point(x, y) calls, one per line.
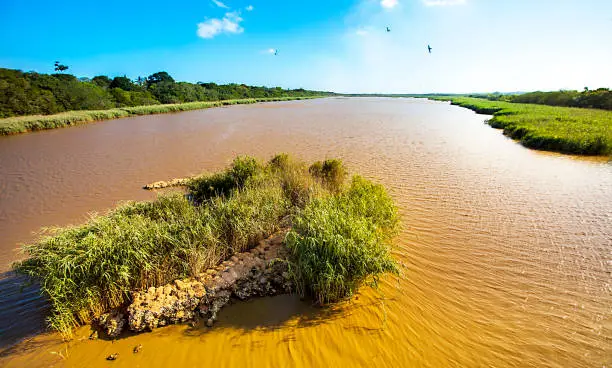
point(339, 241)
point(32, 101)
point(331, 172)
point(560, 129)
point(341, 237)
point(22, 124)
point(600, 98)
point(42, 94)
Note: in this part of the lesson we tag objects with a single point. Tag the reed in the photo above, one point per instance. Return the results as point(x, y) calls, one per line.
point(337, 242)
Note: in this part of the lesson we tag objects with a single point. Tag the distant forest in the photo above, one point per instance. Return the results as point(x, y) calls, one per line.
point(30, 93)
point(595, 99)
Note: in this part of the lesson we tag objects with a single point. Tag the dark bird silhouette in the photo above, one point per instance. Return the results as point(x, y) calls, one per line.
point(429, 48)
point(275, 52)
point(388, 29)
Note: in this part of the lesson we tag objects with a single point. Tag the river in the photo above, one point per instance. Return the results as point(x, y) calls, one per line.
point(506, 252)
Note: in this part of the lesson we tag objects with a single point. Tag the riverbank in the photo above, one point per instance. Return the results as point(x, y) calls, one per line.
point(340, 237)
point(559, 129)
point(24, 124)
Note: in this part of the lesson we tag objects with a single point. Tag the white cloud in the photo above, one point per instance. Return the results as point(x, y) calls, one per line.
point(443, 2)
point(212, 27)
point(220, 4)
point(389, 4)
point(361, 32)
point(250, 8)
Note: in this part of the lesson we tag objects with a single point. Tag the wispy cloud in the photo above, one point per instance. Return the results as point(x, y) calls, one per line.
point(269, 51)
point(250, 8)
point(389, 4)
point(361, 32)
point(220, 4)
point(443, 2)
point(230, 23)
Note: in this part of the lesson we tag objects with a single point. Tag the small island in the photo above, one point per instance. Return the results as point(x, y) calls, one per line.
point(254, 229)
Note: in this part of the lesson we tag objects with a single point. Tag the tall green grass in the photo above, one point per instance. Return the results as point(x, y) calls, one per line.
point(331, 172)
point(339, 241)
point(89, 269)
point(561, 129)
point(23, 124)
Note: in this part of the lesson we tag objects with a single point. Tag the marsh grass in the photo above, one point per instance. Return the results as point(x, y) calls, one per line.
point(561, 129)
point(340, 237)
point(339, 241)
point(331, 172)
point(23, 124)
point(221, 184)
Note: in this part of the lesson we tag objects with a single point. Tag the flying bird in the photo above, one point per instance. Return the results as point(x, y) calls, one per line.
point(388, 29)
point(429, 48)
point(275, 52)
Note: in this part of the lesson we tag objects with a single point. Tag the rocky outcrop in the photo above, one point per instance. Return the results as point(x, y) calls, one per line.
point(112, 323)
point(178, 182)
point(261, 271)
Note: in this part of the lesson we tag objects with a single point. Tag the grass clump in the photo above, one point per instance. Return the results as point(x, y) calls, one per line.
point(331, 172)
point(88, 269)
point(223, 183)
point(340, 237)
point(339, 241)
point(560, 129)
point(299, 185)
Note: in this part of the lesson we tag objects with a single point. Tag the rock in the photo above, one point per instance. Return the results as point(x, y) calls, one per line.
point(112, 323)
point(253, 273)
point(113, 356)
point(137, 348)
point(166, 184)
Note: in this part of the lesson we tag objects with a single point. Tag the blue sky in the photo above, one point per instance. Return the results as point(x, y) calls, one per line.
point(339, 45)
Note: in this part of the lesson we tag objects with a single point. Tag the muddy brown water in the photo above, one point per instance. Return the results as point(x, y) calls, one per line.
point(506, 253)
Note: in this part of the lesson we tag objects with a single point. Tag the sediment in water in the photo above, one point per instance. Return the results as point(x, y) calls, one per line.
point(262, 271)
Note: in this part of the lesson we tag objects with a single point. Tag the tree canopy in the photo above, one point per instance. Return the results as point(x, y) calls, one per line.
point(29, 93)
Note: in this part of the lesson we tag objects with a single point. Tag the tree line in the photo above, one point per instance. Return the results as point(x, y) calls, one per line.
point(31, 93)
point(600, 98)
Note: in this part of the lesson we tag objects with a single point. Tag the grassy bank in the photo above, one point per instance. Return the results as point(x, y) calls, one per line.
point(23, 124)
point(560, 129)
point(340, 239)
